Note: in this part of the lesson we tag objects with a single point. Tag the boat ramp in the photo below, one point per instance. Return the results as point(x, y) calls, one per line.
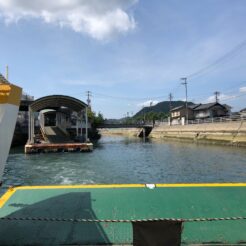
point(51, 129)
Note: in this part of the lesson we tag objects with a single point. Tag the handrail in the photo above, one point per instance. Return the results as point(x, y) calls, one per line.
point(218, 119)
point(43, 134)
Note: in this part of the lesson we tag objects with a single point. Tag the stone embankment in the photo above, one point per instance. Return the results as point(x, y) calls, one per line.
point(230, 133)
point(130, 132)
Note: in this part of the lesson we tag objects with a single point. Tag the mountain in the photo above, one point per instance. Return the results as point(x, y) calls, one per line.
point(161, 107)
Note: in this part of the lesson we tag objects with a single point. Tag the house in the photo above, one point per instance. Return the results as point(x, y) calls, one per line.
point(210, 110)
point(229, 109)
point(180, 112)
point(242, 112)
point(199, 111)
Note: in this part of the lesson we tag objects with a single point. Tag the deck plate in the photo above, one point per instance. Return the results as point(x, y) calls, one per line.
point(121, 202)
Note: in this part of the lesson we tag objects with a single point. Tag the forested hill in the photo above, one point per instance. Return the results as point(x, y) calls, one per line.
point(161, 107)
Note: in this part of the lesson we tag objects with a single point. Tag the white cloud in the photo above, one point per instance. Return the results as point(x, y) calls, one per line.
point(222, 97)
point(148, 103)
point(209, 99)
point(242, 89)
point(97, 18)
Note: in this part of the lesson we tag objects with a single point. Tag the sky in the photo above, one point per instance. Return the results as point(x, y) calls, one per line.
point(128, 53)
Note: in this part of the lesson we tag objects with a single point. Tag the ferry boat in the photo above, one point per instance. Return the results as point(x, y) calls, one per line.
point(10, 96)
point(115, 214)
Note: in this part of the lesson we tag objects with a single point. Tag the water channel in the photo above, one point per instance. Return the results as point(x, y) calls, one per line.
point(129, 160)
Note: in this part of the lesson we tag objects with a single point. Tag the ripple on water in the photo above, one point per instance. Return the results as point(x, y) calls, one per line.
point(129, 160)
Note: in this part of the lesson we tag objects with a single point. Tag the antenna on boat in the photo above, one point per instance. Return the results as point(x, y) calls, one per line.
point(7, 72)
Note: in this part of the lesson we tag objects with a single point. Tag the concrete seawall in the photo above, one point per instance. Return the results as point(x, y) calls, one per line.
point(231, 133)
point(130, 132)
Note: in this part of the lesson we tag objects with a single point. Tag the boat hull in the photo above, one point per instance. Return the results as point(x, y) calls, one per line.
point(9, 106)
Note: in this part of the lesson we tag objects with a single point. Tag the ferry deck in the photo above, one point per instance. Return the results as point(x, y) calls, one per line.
point(68, 215)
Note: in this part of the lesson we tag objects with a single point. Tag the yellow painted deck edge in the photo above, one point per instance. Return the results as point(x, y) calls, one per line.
point(86, 186)
point(12, 190)
point(6, 196)
point(98, 186)
point(203, 185)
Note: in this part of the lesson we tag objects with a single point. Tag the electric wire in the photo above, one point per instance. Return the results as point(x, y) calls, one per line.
point(229, 55)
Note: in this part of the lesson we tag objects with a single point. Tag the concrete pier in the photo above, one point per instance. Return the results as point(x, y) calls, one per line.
point(61, 147)
point(228, 133)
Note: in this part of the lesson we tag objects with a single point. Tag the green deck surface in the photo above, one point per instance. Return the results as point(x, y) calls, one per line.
point(121, 203)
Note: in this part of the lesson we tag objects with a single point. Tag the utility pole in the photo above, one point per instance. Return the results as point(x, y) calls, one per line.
point(186, 102)
point(170, 97)
point(86, 114)
point(88, 99)
point(143, 114)
point(150, 111)
point(216, 93)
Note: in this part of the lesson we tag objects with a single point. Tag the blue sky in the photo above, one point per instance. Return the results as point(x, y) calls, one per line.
point(126, 52)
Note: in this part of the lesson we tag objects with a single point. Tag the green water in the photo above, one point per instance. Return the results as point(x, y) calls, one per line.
point(129, 160)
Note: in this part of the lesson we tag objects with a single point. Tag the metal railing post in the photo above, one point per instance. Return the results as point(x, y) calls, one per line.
point(29, 125)
point(86, 123)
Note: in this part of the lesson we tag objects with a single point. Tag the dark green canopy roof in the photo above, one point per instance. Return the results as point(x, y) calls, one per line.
point(56, 102)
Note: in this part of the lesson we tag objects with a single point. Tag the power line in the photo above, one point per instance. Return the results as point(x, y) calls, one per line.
point(222, 59)
point(233, 97)
point(236, 85)
point(158, 97)
point(200, 96)
point(195, 97)
point(128, 98)
point(203, 70)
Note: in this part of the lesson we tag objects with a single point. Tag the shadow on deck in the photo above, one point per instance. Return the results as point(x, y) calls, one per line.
point(55, 135)
point(70, 205)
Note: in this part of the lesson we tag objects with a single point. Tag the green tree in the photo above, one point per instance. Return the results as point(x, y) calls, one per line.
point(98, 119)
point(91, 115)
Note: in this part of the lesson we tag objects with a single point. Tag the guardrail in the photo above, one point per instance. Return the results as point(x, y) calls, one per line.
point(218, 120)
point(166, 122)
point(114, 125)
point(206, 120)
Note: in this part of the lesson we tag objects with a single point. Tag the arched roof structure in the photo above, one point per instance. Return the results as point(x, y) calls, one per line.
point(56, 102)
